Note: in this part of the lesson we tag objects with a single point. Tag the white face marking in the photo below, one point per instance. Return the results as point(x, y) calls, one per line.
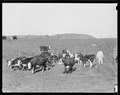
point(29, 65)
point(9, 63)
point(64, 55)
point(19, 62)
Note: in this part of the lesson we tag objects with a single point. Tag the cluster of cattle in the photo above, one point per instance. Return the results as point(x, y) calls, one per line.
point(12, 37)
point(44, 61)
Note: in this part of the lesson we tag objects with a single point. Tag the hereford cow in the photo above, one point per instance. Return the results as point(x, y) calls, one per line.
point(100, 57)
point(25, 62)
point(87, 58)
point(68, 64)
point(15, 64)
point(37, 61)
point(13, 38)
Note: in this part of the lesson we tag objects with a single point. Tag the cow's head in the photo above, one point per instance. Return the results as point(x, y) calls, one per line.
point(64, 55)
point(9, 62)
point(29, 66)
point(19, 62)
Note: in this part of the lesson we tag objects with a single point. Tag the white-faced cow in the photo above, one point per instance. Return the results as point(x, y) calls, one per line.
point(68, 62)
point(43, 61)
point(15, 64)
point(37, 61)
point(100, 57)
point(87, 58)
point(25, 62)
point(13, 38)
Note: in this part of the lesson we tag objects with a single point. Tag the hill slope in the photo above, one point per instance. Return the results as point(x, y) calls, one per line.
point(73, 36)
point(62, 36)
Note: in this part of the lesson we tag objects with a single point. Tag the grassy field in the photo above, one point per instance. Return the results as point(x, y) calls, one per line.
point(100, 79)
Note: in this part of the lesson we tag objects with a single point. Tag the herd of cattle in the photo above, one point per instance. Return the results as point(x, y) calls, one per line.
point(44, 61)
point(12, 37)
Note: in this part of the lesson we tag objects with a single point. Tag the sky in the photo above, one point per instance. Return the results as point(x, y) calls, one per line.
point(98, 20)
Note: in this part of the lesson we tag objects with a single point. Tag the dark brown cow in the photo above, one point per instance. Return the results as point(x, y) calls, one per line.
point(37, 61)
point(68, 64)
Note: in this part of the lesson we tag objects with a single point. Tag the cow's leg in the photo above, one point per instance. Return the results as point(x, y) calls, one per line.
point(90, 63)
point(33, 69)
point(101, 61)
point(83, 65)
point(70, 69)
point(13, 69)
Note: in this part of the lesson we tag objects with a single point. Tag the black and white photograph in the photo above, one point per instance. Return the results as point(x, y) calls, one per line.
point(59, 47)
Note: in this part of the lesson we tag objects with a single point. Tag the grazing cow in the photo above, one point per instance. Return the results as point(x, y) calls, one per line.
point(15, 64)
point(37, 61)
point(87, 58)
point(100, 57)
point(68, 63)
point(4, 37)
point(44, 48)
point(13, 38)
point(25, 62)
